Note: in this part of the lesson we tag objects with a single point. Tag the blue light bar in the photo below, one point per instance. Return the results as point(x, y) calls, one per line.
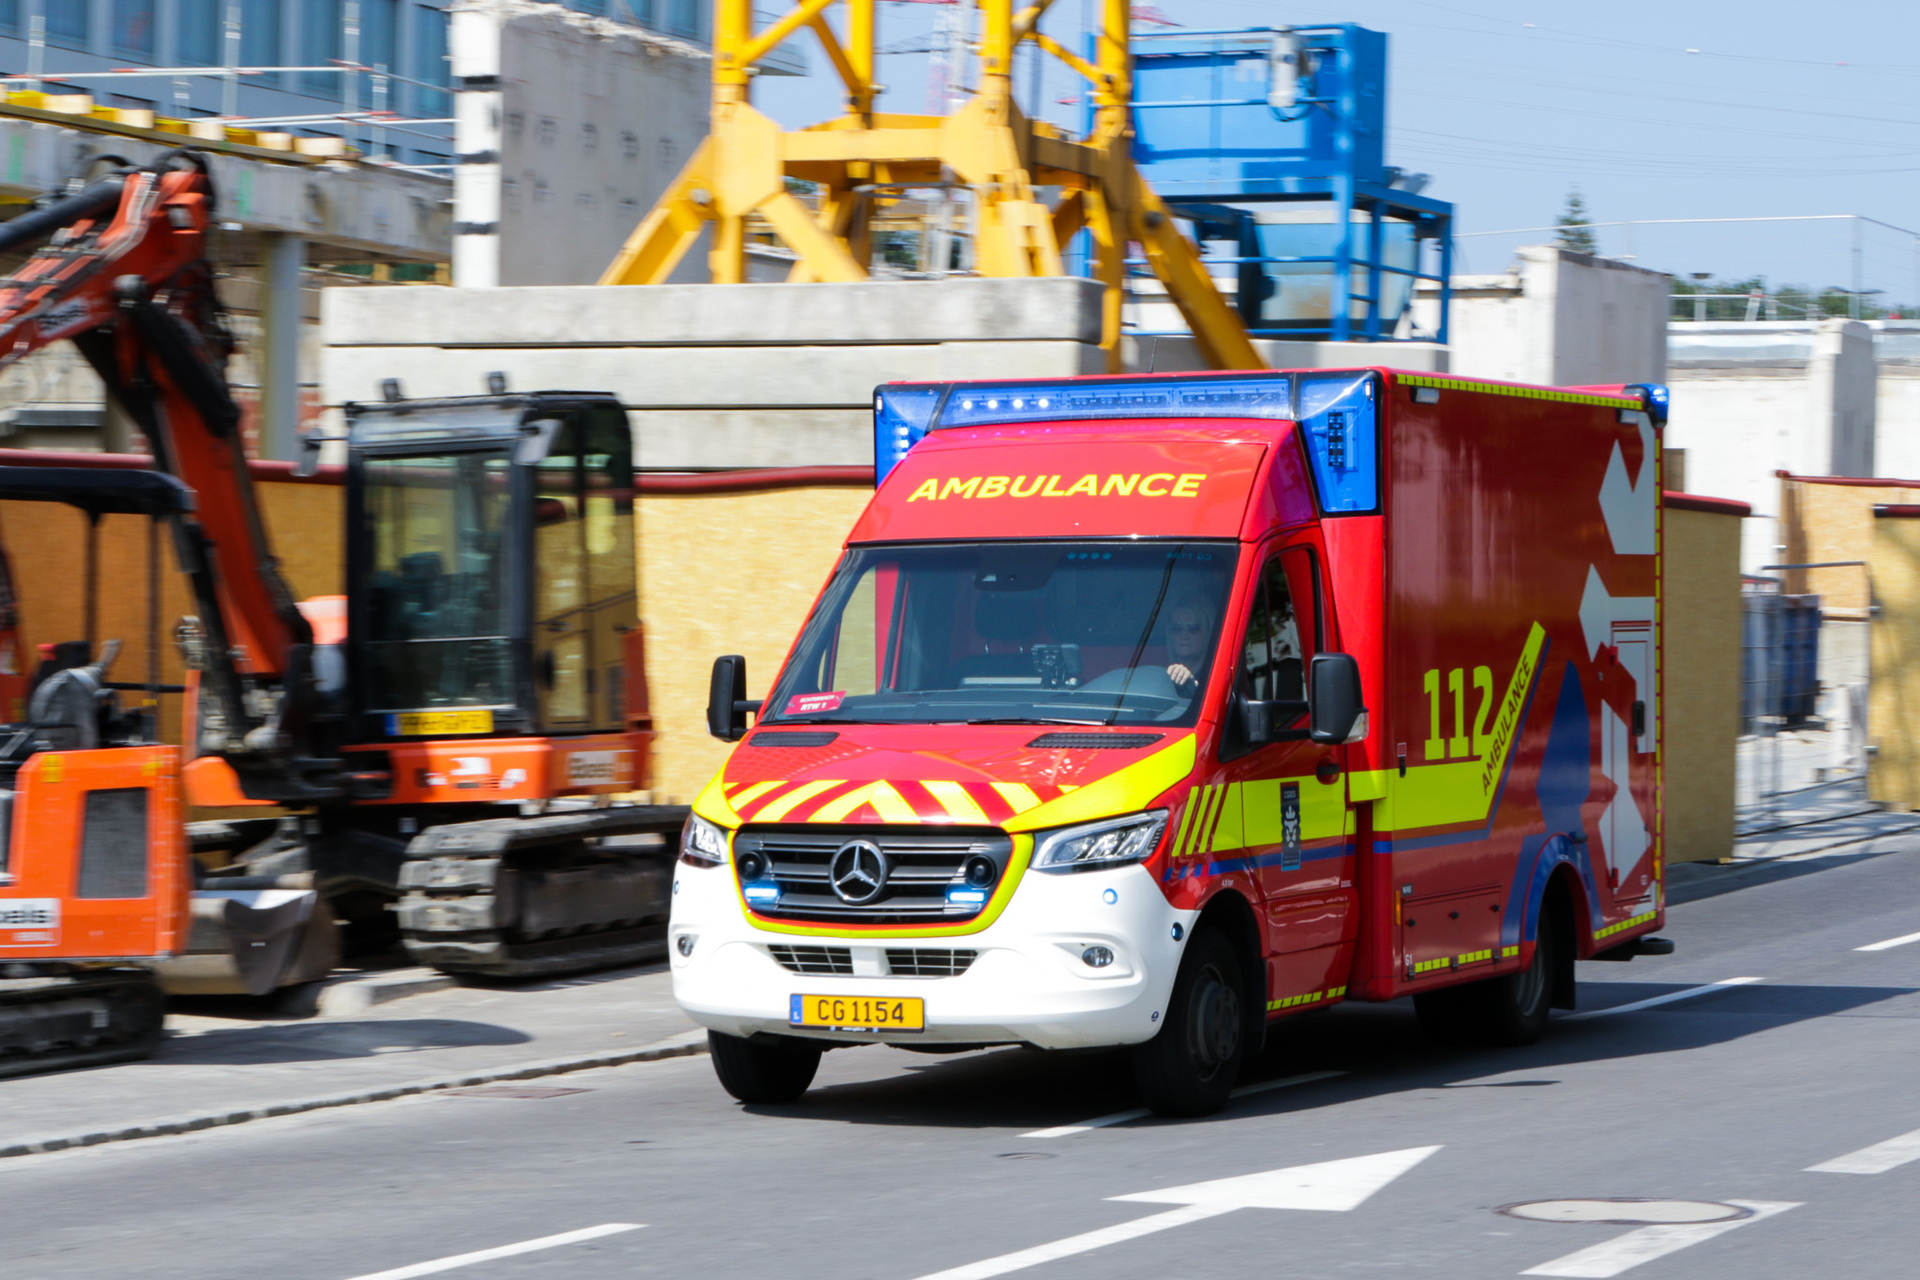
point(1657, 398)
point(903, 413)
point(966, 897)
point(762, 893)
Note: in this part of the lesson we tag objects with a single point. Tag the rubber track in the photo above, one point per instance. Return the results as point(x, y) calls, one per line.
point(494, 838)
point(133, 1001)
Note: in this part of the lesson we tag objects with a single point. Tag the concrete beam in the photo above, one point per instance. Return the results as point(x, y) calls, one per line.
point(1061, 309)
point(343, 206)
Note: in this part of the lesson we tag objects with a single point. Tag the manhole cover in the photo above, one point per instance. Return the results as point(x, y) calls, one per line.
point(515, 1091)
point(1625, 1211)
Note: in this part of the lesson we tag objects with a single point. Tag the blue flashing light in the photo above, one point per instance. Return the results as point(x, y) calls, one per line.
point(1657, 397)
point(902, 415)
point(1339, 418)
point(966, 897)
point(762, 893)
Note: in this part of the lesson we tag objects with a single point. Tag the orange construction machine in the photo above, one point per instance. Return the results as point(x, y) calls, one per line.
point(450, 738)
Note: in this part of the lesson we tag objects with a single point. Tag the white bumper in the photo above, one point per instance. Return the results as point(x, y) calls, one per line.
point(1028, 983)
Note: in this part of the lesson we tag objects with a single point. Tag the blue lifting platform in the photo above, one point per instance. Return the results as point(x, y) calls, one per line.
point(1272, 142)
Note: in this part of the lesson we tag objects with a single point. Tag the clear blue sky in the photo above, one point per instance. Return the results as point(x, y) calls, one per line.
point(1672, 109)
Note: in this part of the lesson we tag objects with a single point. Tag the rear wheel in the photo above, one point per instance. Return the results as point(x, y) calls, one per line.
point(1512, 1010)
point(763, 1070)
point(1189, 1068)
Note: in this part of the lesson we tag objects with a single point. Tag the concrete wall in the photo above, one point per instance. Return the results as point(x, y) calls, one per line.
point(568, 129)
point(1751, 400)
point(1700, 687)
point(1559, 318)
point(750, 375)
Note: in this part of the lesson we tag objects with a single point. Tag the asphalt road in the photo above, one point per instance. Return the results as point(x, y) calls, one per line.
point(901, 1166)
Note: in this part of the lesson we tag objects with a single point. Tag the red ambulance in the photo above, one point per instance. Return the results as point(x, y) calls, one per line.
point(1146, 711)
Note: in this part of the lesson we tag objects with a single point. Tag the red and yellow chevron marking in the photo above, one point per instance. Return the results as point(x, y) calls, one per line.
point(895, 801)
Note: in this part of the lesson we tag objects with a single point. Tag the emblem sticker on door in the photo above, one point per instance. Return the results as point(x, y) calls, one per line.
point(599, 768)
point(1289, 826)
point(29, 922)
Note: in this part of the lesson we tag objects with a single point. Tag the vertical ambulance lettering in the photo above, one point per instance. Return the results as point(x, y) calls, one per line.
point(1157, 484)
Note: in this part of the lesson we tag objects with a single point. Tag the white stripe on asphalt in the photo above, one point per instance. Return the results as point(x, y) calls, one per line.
point(1141, 1113)
point(1623, 1253)
point(1120, 1234)
point(1890, 943)
point(504, 1251)
point(1878, 1158)
point(1669, 998)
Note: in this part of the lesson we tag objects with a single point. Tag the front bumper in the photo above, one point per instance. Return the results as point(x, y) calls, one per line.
point(1027, 985)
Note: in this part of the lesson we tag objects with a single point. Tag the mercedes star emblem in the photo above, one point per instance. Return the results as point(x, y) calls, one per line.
point(858, 872)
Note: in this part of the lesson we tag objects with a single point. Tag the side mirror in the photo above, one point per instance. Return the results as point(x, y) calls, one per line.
point(727, 703)
point(1336, 713)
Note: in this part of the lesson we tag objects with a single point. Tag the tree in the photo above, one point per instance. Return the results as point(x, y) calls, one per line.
point(1575, 232)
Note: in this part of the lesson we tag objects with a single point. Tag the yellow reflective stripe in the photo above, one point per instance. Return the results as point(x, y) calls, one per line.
point(787, 803)
point(1227, 823)
point(1127, 790)
point(1186, 822)
point(1524, 393)
point(1643, 918)
point(885, 801)
point(747, 794)
point(1311, 997)
point(959, 805)
point(1508, 953)
point(1017, 794)
point(712, 805)
point(1216, 796)
point(1436, 795)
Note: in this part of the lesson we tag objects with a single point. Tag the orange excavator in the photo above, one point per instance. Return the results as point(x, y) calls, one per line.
point(447, 753)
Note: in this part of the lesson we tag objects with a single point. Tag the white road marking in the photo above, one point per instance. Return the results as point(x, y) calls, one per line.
point(1891, 943)
point(1141, 1113)
point(1878, 1158)
point(1623, 1253)
point(1669, 998)
point(1332, 1186)
point(504, 1251)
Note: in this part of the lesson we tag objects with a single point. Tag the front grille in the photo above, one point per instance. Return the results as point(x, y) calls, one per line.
point(928, 962)
point(923, 864)
point(814, 959)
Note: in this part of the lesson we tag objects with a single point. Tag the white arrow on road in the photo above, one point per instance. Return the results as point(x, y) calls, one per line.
point(1333, 1186)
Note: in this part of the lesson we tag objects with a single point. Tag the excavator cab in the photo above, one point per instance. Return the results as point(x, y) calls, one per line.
point(490, 559)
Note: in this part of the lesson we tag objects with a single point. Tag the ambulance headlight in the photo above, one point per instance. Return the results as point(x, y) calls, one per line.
point(1113, 842)
point(701, 843)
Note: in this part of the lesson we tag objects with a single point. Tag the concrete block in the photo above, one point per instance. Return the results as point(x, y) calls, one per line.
point(841, 377)
point(1054, 309)
point(345, 998)
point(695, 439)
point(1181, 354)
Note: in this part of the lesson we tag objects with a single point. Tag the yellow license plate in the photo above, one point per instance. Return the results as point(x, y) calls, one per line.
point(859, 1013)
point(420, 724)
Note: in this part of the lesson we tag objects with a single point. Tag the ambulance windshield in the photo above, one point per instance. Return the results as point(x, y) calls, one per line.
point(1011, 632)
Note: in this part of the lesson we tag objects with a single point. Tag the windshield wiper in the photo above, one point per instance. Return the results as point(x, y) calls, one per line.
point(1033, 720)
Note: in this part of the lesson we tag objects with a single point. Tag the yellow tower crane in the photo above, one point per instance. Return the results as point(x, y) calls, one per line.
point(988, 146)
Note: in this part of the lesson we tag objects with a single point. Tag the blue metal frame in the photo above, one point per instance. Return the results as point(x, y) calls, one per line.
point(1331, 153)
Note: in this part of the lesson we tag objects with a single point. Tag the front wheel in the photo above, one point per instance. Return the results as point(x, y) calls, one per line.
point(764, 1070)
point(1189, 1068)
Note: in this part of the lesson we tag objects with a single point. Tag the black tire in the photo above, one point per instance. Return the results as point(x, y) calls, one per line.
point(1511, 1011)
point(763, 1070)
point(1189, 1068)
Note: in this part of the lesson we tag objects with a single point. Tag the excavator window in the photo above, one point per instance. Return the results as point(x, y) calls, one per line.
point(438, 625)
point(113, 844)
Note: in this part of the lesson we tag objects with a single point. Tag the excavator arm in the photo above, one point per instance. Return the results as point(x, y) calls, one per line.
point(120, 268)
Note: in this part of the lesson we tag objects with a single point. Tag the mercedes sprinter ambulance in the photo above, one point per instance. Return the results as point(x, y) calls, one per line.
point(1146, 711)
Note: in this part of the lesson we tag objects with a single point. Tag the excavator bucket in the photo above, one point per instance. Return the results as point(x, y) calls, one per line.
point(253, 937)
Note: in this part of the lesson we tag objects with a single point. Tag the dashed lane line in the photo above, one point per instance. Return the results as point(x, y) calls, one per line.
point(1878, 1158)
point(1141, 1113)
point(1890, 943)
point(1623, 1253)
point(1653, 1001)
point(502, 1251)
